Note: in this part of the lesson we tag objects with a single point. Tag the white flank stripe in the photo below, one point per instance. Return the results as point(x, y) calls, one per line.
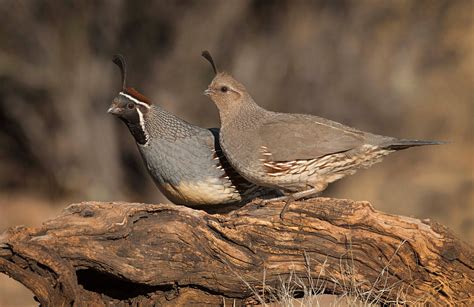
point(135, 100)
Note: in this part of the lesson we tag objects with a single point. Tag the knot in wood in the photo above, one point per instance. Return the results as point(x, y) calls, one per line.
point(87, 213)
point(450, 253)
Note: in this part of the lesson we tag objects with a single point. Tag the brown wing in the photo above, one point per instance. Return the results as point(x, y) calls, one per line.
point(290, 137)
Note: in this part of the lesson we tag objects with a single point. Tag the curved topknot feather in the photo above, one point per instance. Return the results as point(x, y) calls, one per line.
point(205, 54)
point(119, 60)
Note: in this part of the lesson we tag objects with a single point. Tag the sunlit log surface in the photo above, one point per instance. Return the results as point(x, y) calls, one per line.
point(128, 253)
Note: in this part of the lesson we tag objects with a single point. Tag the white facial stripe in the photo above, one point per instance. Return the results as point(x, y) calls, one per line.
point(134, 100)
point(142, 124)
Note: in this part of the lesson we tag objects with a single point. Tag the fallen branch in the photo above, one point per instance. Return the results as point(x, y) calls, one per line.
point(124, 253)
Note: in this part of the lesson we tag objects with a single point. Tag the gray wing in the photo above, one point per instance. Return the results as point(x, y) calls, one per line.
point(291, 137)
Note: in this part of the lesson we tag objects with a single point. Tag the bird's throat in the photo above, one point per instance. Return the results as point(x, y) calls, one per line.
point(138, 133)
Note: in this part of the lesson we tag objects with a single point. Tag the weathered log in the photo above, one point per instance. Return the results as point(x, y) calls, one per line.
point(125, 253)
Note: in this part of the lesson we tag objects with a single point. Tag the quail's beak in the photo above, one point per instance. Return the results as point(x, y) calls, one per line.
point(114, 110)
point(208, 92)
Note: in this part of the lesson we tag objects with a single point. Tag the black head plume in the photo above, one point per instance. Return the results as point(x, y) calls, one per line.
point(205, 54)
point(119, 60)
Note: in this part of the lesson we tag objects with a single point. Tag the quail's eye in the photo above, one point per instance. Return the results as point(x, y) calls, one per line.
point(130, 105)
point(224, 89)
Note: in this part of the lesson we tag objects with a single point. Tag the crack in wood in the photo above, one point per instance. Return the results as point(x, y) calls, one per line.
point(121, 254)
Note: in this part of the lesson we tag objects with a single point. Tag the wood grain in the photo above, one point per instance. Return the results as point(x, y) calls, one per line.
point(129, 253)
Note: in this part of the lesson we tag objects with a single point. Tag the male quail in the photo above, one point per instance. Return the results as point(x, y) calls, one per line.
point(298, 153)
point(185, 161)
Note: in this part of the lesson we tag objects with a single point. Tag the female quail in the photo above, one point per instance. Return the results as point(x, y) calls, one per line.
point(298, 153)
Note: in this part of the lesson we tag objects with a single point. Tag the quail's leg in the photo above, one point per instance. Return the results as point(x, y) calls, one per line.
point(279, 198)
point(313, 192)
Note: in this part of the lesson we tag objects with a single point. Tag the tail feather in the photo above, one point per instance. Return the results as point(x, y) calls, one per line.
point(404, 144)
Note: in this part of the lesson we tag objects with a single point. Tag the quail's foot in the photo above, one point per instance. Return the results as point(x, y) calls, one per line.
point(263, 201)
point(313, 192)
point(288, 199)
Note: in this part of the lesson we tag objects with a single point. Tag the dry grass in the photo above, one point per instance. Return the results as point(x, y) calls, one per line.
point(316, 289)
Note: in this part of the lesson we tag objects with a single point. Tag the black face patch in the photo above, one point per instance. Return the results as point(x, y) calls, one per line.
point(128, 112)
point(137, 132)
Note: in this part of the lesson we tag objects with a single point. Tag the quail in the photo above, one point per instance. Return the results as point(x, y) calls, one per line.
point(185, 161)
point(297, 153)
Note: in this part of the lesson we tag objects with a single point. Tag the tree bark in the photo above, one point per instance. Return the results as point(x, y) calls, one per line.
point(130, 253)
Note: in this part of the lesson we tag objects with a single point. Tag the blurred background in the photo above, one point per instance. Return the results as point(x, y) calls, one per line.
point(399, 68)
